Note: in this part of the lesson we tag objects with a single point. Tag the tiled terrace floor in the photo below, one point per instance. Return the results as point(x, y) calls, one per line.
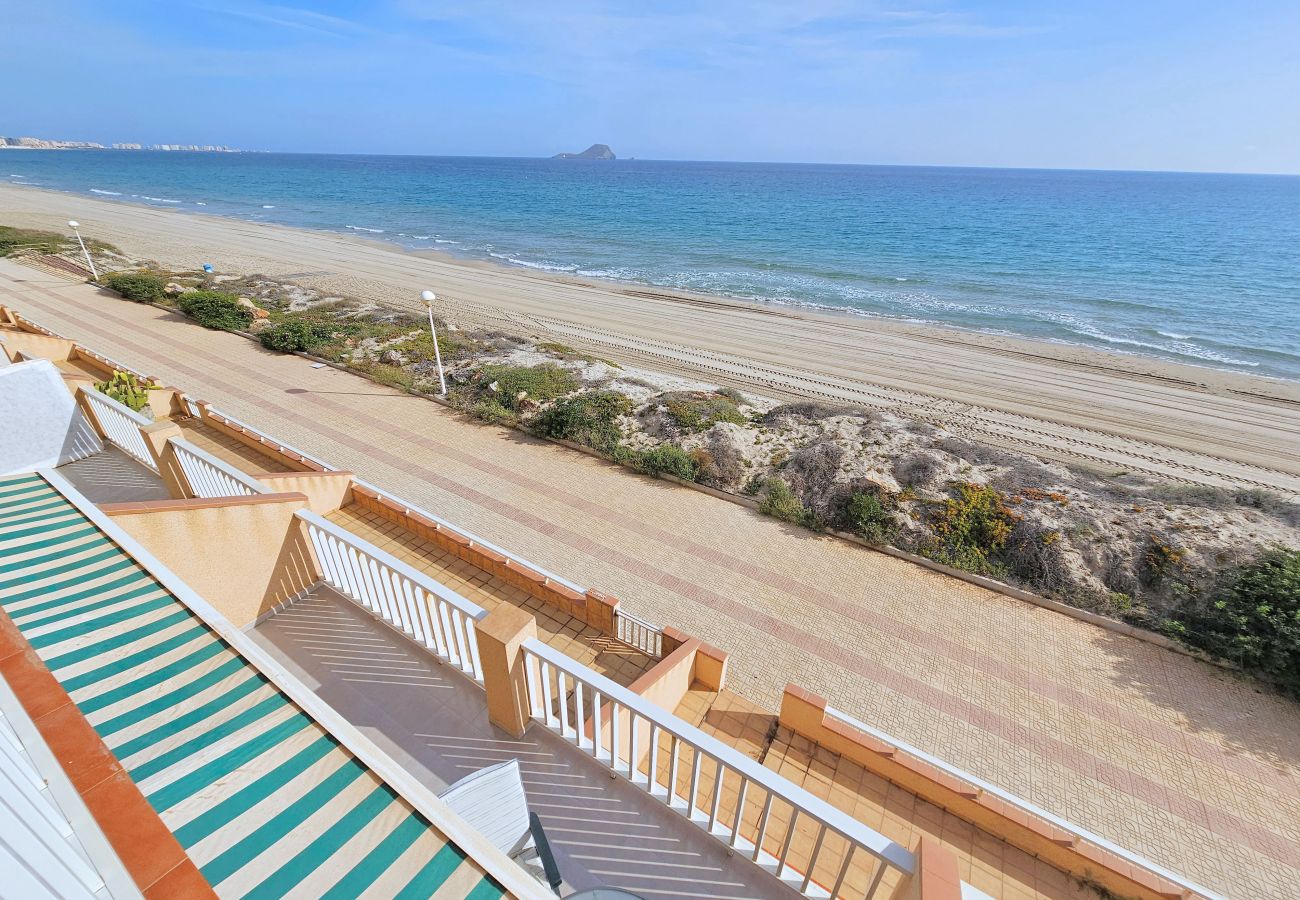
point(433, 721)
point(223, 446)
point(114, 477)
point(613, 659)
point(990, 864)
point(730, 718)
point(987, 863)
point(75, 370)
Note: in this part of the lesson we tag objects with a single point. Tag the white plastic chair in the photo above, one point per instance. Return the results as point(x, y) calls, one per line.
point(493, 801)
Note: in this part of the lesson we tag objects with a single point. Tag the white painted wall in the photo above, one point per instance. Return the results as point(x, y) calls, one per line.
point(40, 424)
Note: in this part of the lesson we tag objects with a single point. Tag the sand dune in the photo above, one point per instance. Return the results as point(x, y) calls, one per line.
point(1105, 411)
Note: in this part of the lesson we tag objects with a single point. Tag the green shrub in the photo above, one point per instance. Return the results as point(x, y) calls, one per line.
point(698, 412)
point(212, 309)
point(540, 383)
point(451, 346)
point(393, 376)
point(779, 502)
point(667, 459)
point(733, 395)
point(1253, 619)
point(138, 286)
point(14, 239)
point(564, 351)
point(295, 335)
point(493, 413)
point(973, 528)
point(869, 518)
point(587, 419)
point(126, 389)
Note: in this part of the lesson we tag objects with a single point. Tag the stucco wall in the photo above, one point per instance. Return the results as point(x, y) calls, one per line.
point(244, 555)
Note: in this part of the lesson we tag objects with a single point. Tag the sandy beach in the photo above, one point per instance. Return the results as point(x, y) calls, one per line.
point(1107, 412)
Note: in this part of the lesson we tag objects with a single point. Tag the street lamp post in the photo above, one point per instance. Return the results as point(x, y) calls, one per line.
point(90, 262)
point(428, 297)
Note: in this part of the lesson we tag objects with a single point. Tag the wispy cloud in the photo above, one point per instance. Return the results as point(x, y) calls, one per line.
point(292, 18)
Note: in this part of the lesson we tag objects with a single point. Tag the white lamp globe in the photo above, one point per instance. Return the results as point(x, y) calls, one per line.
point(72, 224)
point(428, 296)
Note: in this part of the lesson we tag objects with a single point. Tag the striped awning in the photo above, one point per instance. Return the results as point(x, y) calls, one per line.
point(263, 799)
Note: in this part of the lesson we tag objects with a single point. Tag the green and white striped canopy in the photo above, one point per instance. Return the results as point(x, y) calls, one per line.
point(262, 798)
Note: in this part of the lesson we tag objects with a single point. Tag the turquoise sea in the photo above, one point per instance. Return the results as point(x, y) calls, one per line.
point(1196, 268)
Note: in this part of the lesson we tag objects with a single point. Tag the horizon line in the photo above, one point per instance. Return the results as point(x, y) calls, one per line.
point(743, 162)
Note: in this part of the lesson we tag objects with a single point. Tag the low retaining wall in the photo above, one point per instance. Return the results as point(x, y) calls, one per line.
point(291, 459)
point(805, 714)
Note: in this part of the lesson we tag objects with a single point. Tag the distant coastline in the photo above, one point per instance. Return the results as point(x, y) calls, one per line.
point(31, 143)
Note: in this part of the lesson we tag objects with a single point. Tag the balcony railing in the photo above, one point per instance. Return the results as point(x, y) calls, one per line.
point(413, 603)
point(655, 751)
point(120, 425)
point(639, 633)
point(209, 476)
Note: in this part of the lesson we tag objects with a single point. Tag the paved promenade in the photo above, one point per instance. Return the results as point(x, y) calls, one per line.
point(1160, 753)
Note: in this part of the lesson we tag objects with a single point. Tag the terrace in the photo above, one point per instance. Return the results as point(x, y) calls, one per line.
point(443, 654)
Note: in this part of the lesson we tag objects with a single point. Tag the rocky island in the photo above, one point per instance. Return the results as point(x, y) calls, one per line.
point(595, 151)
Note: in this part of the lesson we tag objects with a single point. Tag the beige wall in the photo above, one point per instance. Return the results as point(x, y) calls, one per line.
point(39, 346)
point(664, 685)
point(244, 555)
point(326, 491)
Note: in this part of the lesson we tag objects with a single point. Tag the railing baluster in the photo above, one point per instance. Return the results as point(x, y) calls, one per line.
point(762, 827)
point(812, 860)
point(615, 723)
point(849, 848)
point(783, 860)
point(546, 692)
point(579, 720)
point(534, 691)
point(716, 806)
point(674, 760)
point(458, 632)
point(740, 811)
point(652, 772)
point(563, 693)
point(875, 879)
point(695, 782)
point(633, 723)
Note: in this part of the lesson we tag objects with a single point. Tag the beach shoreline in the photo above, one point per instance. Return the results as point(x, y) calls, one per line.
point(1095, 407)
point(1134, 363)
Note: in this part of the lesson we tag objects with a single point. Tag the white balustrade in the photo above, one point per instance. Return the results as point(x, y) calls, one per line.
point(209, 476)
point(426, 611)
point(639, 633)
point(749, 808)
point(121, 425)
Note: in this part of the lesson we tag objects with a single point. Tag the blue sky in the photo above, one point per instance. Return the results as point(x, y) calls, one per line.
point(1140, 84)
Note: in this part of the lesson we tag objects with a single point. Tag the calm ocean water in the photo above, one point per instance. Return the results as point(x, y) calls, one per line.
point(1201, 269)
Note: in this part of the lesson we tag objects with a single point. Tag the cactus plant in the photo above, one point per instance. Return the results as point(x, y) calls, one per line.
point(126, 389)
